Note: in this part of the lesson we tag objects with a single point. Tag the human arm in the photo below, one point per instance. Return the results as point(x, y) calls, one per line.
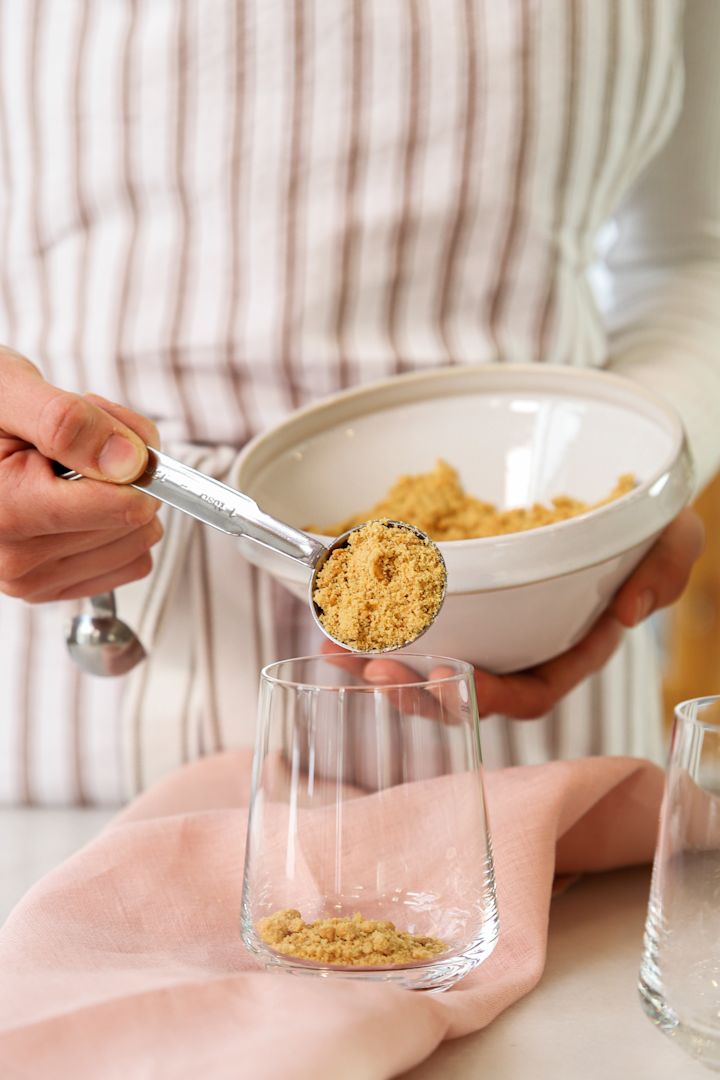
point(662, 305)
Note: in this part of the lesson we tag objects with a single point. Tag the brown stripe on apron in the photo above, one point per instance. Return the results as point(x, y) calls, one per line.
point(498, 293)
point(8, 183)
point(179, 56)
point(25, 734)
point(459, 227)
point(187, 753)
point(234, 362)
point(403, 228)
point(553, 722)
point(647, 24)
point(506, 725)
point(128, 184)
point(34, 73)
point(255, 615)
point(288, 339)
point(136, 722)
point(629, 690)
point(661, 114)
point(138, 765)
point(76, 756)
point(206, 616)
point(570, 121)
point(359, 41)
point(512, 751)
point(78, 91)
point(596, 714)
point(601, 166)
point(612, 26)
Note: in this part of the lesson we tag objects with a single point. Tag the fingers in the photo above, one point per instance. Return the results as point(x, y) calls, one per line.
point(385, 672)
point(434, 703)
point(21, 557)
point(380, 672)
point(66, 427)
point(338, 656)
point(34, 502)
point(450, 706)
point(663, 574)
point(134, 571)
point(530, 694)
point(110, 562)
point(399, 679)
point(524, 696)
point(145, 428)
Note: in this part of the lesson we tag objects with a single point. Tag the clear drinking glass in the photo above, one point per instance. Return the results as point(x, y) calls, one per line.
point(680, 970)
point(369, 800)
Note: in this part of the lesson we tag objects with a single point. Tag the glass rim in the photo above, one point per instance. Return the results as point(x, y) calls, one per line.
point(465, 671)
point(682, 712)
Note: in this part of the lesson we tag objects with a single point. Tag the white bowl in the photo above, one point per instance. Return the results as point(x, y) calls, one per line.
point(517, 434)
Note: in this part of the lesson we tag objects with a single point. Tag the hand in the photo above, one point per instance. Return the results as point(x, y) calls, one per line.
point(657, 582)
point(60, 539)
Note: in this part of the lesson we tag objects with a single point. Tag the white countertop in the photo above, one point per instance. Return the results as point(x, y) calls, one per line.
point(583, 1021)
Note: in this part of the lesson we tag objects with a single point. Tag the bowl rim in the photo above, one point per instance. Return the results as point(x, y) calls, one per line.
point(669, 487)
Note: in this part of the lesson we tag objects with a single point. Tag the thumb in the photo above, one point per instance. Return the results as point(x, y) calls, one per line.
point(66, 427)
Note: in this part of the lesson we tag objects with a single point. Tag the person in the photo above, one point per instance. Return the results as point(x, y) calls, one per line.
point(213, 214)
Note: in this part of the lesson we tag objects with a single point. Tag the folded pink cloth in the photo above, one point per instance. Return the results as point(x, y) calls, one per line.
point(126, 961)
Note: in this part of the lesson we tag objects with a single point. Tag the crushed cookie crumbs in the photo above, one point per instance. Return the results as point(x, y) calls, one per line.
point(437, 503)
point(350, 941)
point(381, 590)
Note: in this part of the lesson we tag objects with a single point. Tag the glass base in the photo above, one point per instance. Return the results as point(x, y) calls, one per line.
point(433, 977)
point(700, 1042)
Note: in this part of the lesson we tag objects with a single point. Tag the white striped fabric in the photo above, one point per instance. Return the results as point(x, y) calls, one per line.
point(217, 212)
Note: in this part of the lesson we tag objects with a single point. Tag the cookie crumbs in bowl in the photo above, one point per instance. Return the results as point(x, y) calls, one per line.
point(348, 941)
point(382, 589)
point(437, 503)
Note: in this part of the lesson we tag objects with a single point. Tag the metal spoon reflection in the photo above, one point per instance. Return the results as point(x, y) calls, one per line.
point(102, 644)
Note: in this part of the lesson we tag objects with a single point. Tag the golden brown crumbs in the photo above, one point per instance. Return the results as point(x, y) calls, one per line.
point(350, 941)
point(381, 590)
point(437, 503)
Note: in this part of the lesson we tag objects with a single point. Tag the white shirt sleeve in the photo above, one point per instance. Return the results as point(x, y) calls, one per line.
point(664, 264)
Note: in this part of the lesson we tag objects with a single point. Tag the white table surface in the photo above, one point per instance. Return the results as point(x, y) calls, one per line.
point(583, 1020)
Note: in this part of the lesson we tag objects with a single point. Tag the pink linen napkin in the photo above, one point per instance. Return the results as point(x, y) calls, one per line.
point(127, 962)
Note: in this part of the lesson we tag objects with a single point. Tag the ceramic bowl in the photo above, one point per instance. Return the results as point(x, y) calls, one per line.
point(517, 434)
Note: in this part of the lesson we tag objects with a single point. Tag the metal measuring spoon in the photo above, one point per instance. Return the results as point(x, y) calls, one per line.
point(102, 644)
point(232, 512)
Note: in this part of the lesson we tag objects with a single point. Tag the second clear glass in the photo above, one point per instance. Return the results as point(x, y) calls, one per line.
point(369, 800)
point(680, 970)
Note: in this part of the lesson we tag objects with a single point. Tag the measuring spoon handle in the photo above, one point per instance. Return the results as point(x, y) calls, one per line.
point(218, 505)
